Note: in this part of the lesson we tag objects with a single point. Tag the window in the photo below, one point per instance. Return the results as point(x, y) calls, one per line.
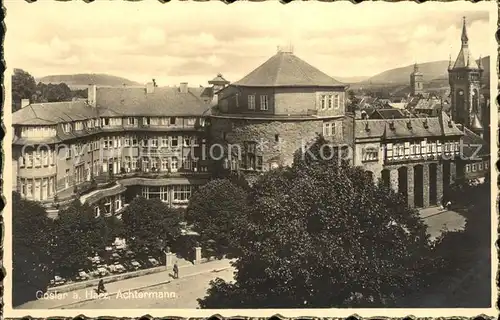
point(132, 121)
point(45, 158)
point(164, 164)
point(107, 205)
point(164, 121)
point(413, 149)
point(96, 123)
point(480, 166)
point(105, 165)
point(126, 163)
point(155, 193)
point(251, 102)
point(326, 129)
point(107, 143)
point(329, 129)
point(264, 102)
point(145, 164)
point(67, 127)
point(174, 164)
point(37, 189)
point(474, 167)
point(407, 149)
point(21, 161)
point(154, 164)
point(164, 141)
point(78, 125)
point(154, 121)
point(323, 101)
point(145, 121)
point(174, 141)
point(126, 141)
point(486, 165)
point(336, 101)
point(133, 164)
point(173, 121)
point(191, 121)
point(330, 102)
point(389, 150)
point(181, 193)
point(135, 142)
point(105, 122)
point(370, 154)
point(187, 141)
point(153, 142)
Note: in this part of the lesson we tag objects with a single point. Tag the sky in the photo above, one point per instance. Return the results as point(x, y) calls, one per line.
point(193, 41)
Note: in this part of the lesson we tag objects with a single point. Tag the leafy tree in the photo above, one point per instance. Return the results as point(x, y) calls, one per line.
point(214, 212)
point(32, 265)
point(23, 87)
point(322, 234)
point(151, 225)
point(77, 236)
point(53, 92)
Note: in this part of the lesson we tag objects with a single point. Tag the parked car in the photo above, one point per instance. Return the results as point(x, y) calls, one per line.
point(102, 270)
point(119, 268)
point(135, 265)
point(82, 275)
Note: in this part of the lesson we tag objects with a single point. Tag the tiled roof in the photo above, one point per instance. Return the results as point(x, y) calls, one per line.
point(112, 102)
point(388, 114)
point(284, 69)
point(164, 101)
point(381, 128)
point(53, 113)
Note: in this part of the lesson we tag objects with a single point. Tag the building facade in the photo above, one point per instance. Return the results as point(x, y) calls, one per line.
point(267, 116)
point(121, 143)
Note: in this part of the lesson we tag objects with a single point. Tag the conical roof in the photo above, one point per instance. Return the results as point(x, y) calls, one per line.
point(464, 59)
point(476, 124)
point(284, 69)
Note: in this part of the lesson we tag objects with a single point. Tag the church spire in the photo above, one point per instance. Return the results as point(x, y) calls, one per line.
point(450, 63)
point(465, 38)
point(415, 67)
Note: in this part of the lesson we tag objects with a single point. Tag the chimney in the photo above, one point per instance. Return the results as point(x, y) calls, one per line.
point(183, 87)
point(25, 103)
point(150, 87)
point(92, 95)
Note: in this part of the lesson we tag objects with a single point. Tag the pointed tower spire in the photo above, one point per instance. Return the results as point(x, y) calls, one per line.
point(465, 38)
point(479, 62)
point(450, 63)
point(415, 67)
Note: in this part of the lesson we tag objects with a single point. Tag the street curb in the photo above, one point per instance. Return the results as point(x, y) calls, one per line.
point(140, 288)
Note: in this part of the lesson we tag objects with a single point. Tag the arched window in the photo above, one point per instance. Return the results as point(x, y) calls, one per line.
point(475, 101)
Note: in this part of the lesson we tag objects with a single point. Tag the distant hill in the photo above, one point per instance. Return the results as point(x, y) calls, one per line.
point(350, 79)
point(81, 81)
point(430, 70)
point(435, 73)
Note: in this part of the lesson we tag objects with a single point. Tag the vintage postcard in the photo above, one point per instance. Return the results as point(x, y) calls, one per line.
point(250, 159)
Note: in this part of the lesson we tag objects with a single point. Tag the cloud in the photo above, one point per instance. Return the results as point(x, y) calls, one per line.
point(194, 41)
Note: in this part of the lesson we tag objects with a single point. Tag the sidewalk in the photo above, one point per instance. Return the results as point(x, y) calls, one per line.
point(137, 283)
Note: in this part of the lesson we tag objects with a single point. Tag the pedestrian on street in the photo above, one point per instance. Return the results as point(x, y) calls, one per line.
point(100, 286)
point(176, 271)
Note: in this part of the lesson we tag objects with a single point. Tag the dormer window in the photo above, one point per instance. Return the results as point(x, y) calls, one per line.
point(172, 121)
point(132, 121)
point(67, 127)
point(392, 126)
point(105, 122)
point(408, 124)
point(78, 125)
point(191, 121)
point(146, 121)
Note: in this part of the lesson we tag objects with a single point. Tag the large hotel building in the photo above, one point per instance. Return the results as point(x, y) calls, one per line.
point(156, 141)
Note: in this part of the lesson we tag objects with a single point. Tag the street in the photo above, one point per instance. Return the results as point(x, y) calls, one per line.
point(180, 293)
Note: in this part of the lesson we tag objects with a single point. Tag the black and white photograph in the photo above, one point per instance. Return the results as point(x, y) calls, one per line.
point(252, 156)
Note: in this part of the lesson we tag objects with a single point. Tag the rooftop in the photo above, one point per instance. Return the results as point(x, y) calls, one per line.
point(284, 69)
point(400, 128)
point(116, 102)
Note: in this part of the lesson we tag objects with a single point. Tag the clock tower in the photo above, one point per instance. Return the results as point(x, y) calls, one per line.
point(465, 86)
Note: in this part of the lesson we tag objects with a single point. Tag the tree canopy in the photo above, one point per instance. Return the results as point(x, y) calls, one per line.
point(214, 212)
point(31, 240)
point(322, 234)
point(23, 87)
point(151, 225)
point(77, 236)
